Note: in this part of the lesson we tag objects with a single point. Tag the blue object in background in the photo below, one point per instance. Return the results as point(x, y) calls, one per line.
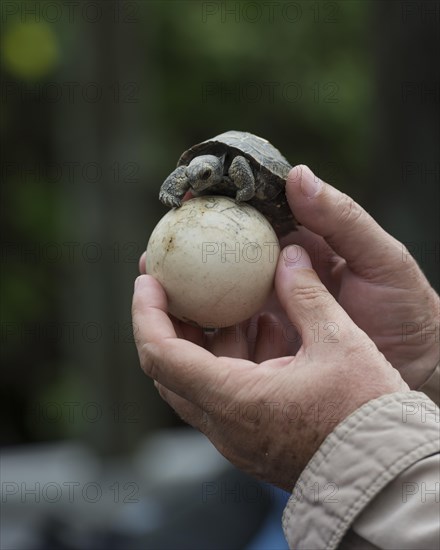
point(271, 536)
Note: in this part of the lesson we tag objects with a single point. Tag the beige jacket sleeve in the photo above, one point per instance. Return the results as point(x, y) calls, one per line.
point(374, 482)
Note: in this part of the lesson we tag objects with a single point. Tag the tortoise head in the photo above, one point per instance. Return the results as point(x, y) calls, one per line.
point(204, 171)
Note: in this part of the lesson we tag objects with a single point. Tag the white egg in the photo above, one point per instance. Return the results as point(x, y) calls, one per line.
point(216, 260)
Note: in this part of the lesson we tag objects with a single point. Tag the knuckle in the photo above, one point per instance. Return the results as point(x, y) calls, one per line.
point(311, 296)
point(405, 256)
point(135, 309)
point(349, 211)
point(149, 360)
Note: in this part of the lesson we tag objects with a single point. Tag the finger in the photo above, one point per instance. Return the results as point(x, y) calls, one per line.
point(325, 261)
point(278, 362)
point(143, 264)
point(150, 320)
point(193, 334)
point(271, 340)
point(350, 231)
point(308, 304)
point(183, 367)
point(189, 332)
point(290, 333)
point(230, 342)
point(188, 412)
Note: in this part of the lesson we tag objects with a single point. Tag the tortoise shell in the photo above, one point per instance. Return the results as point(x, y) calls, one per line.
point(269, 167)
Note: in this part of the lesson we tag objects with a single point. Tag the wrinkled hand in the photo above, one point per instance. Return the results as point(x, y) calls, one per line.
point(270, 416)
point(371, 274)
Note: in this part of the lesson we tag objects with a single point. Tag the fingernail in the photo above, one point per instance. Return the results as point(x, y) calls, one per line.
point(310, 184)
point(296, 257)
point(140, 282)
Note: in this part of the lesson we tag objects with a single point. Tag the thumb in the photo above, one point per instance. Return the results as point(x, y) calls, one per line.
point(344, 224)
point(307, 302)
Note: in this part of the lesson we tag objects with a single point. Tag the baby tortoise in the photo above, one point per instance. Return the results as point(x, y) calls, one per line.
point(236, 164)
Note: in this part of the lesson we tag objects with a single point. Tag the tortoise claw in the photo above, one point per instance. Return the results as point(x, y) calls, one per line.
point(169, 200)
point(245, 194)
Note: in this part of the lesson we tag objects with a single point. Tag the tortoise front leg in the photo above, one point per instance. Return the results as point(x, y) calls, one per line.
point(242, 176)
point(174, 188)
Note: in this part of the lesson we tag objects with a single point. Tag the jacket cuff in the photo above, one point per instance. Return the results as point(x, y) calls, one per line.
point(405, 514)
point(432, 386)
point(355, 462)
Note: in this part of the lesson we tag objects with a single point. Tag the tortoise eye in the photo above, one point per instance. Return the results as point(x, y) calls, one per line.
point(206, 174)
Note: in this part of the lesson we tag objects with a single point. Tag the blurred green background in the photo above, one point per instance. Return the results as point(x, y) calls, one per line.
point(98, 101)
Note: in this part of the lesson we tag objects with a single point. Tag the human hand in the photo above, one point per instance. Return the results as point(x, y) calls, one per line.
point(270, 416)
point(371, 274)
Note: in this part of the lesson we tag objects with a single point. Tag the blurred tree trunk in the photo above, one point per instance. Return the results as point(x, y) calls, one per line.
point(108, 132)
